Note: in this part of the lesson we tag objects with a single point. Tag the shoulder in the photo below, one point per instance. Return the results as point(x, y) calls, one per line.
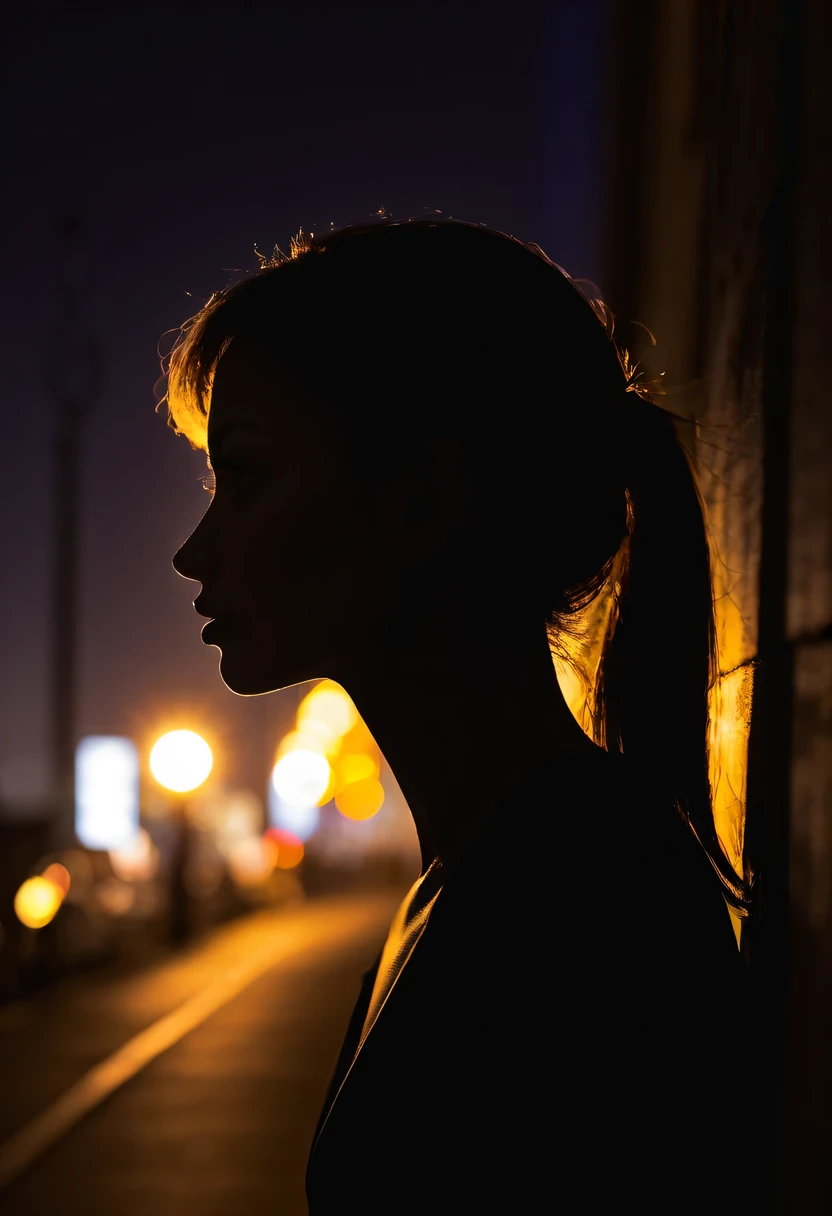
point(594, 874)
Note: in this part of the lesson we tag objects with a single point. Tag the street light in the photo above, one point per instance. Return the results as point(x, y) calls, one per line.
point(180, 761)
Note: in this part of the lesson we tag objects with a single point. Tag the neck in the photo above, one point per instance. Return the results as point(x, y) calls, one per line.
point(465, 718)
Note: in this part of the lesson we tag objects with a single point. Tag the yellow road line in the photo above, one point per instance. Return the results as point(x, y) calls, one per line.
point(19, 1152)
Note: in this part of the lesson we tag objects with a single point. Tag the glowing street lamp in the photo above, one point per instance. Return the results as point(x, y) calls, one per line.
point(180, 761)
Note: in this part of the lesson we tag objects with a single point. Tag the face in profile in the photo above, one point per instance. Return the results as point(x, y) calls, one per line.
point(288, 551)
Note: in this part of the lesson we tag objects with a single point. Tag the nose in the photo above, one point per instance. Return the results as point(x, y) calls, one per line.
point(184, 559)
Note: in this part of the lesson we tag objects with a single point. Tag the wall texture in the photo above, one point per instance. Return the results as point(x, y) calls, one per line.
point(721, 242)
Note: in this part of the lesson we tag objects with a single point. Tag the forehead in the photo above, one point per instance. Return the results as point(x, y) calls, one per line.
point(253, 394)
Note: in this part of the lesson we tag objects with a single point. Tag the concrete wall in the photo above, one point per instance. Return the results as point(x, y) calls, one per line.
point(721, 243)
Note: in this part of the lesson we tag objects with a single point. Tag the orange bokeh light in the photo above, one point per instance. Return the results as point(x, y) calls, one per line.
point(288, 848)
point(59, 875)
point(37, 901)
point(357, 766)
point(361, 799)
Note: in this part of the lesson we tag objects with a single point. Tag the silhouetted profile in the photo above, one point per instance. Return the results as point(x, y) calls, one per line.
point(434, 472)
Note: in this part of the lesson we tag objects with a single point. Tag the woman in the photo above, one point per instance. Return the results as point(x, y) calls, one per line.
point(431, 472)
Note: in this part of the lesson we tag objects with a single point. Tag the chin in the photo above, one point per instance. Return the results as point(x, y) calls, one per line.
point(242, 678)
point(250, 677)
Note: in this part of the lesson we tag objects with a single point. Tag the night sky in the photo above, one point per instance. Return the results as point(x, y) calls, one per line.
point(185, 135)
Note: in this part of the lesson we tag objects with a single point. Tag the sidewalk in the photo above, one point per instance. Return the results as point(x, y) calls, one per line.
point(220, 1122)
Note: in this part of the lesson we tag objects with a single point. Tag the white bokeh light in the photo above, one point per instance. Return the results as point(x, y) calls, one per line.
point(300, 778)
point(181, 760)
point(106, 791)
point(301, 821)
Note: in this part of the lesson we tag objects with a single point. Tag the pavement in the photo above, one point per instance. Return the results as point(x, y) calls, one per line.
point(192, 1086)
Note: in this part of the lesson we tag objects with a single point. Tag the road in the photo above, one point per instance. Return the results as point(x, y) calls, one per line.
point(192, 1087)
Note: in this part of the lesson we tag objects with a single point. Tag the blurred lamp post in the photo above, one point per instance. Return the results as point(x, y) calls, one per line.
point(180, 761)
point(73, 379)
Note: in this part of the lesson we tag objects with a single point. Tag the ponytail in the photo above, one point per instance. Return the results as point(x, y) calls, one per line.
point(659, 660)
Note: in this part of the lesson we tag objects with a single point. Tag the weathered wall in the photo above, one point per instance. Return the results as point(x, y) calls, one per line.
point(721, 242)
point(695, 164)
point(807, 1179)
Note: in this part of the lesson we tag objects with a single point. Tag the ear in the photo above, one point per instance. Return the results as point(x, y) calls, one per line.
point(428, 501)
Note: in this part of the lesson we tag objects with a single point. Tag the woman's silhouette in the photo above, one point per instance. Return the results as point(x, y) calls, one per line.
point(431, 465)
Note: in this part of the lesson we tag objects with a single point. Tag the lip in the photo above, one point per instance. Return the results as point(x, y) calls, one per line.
point(208, 630)
point(202, 610)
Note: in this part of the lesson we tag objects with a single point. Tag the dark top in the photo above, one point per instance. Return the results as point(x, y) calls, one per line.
point(564, 1033)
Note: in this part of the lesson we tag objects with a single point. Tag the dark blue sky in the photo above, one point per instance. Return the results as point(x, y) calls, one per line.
point(184, 135)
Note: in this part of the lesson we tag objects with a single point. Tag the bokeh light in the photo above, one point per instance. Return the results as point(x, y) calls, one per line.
point(304, 740)
point(37, 901)
point(330, 754)
point(136, 862)
point(301, 777)
point(301, 821)
point(327, 708)
point(251, 861)
point(361, 799)
point(241, 815)
point(60, 876)
point(357, 766)
point(315, 734)
point(358, 739)
point(288, 848)
point(106, 791)
point(181, 760)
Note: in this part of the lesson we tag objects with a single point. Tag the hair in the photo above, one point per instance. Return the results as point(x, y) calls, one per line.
point(486, 338)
